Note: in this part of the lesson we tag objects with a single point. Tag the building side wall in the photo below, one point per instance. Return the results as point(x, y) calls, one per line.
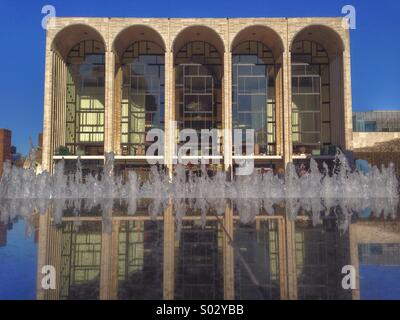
point(370, 139)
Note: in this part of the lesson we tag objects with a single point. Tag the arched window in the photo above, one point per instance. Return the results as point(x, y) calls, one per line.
point(253, 93)
point(198, 78)
point(85, 98)
point(142, 103)
point(310, 97)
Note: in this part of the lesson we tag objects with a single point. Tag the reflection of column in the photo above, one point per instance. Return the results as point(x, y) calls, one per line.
point(169, 253)
point(109, 262)
point(291, 259)
point(49, 253)
point(228, 258)
point(355, 294)
point(44, 223)
point(109, 102)
point(3, 234)
point(282, 259)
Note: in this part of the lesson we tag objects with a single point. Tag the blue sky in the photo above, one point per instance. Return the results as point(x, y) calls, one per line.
point(375, 46)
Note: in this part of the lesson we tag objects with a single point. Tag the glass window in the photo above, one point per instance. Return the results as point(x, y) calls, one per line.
point(253, 92)
point(142, 95)
point(198, 74)
point(85, 98)
point(310, 96)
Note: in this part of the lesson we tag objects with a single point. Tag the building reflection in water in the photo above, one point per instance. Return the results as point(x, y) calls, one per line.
point(5, 227)
point(208, 257)
point(3, 234)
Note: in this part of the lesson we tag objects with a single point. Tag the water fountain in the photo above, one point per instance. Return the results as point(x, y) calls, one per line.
point(23, 192)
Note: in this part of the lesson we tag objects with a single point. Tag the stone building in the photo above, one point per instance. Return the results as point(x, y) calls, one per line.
point(110, 80)
point(5, 148)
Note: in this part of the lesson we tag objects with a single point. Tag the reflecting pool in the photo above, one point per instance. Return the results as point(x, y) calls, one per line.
point(197, 256)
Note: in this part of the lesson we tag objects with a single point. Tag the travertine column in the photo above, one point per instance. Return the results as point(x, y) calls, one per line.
point(348, 114)
point(117, 112)
point(55, 102)
point(63, 102)
point(169, 136)
point(48, 98)
point(279, 102)
point(287, 108)
point(109, 102)
point(227, 111)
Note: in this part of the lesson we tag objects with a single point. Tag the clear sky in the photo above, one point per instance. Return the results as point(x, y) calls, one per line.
point(375, 46)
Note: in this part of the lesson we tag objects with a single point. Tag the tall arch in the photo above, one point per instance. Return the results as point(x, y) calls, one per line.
point(257, 53)
point(140, 87)
point(318, 106)
point(78, 99)
point(198, 65)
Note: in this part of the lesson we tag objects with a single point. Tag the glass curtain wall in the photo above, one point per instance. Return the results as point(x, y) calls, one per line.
point(310, 98)
point(85, 99)
point(198, 95)
point(80, 261)
point(253, 94)
point(143, 87)
point(140, 260)
point(199, 262)
point(376, 121)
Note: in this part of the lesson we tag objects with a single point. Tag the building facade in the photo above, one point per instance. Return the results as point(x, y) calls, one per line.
point(110, 80)
point(5, 148)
